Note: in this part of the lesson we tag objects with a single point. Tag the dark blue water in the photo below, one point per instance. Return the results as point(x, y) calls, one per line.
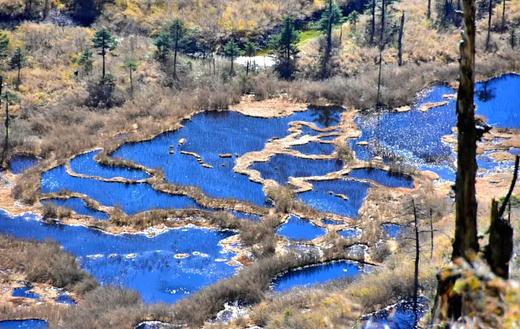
point(392, 230)
point(86, 165)
point(244, 215)
point(210, 134)
point(25, 292)
point(132, 198)
point(323, 196)
point(317, 274)
point(326, 116)
point(299, 229)
point(24, 324)
point(282, 166)
point(351, 233)
point(315, 148)
point(306, 130)
point(328, 221)
point(65, 299)
point(401, 316)
point(20, 163)
point(135, 261)
point(499, 101)
point(416, 137)
point(79, 206)
point(382, 177)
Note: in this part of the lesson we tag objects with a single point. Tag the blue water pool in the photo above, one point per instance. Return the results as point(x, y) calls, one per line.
point(132, 198)
point(328, 221)
point(351, 233)
point(401, 316)
point(147, 265)
point(499, 101)
point(282, 166)
point(392, 230)
point(329, 196)
point(211, 134)
point(86, 165)
point(244, 215)
point(382, 177)
point(20, 163)
point(25, 292)
point(24, 324)
point(79, 206)
point(415, 137)
point(317, 274)
point(315, 148)
point(65, 299)
point(325, 117)
point(299, 229)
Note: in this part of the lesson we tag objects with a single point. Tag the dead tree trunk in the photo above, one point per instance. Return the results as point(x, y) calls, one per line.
point(400, 42)
point(499, 251)
point(328, 45)
point(429, 12)
point(503, 15)
point(6, 138)
point(417, 256)
point(381, 47)
point(431, 234)
point(373, 22)
point(500, 248)
point(3, 151)
point(466, 242)
point(490, 14)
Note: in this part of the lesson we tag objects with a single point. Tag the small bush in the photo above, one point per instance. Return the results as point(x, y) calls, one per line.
point(45, 263)
point(283, 197)
point(344, 152)
point(104, 94)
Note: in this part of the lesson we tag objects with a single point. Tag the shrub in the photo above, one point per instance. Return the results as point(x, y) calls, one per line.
point(45, 262)
point(106, 307)
point(283, 197)
point(104, 94)
point(344, 152)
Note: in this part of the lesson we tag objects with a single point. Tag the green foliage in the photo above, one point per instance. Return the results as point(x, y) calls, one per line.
point(231, 50)
point(175, 37)
point(176, 32)
point(131, 65)
point(103, 93)
point(86, 60)
point(250, 49)
point(336, 15)
point(305, 36)
point(9, 97)
point(353, 18)
point(18, 58)
point(162, 43)
point(284, 46)
point(104, 41)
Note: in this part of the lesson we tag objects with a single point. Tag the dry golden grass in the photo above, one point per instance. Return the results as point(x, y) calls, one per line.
point(241, 16)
